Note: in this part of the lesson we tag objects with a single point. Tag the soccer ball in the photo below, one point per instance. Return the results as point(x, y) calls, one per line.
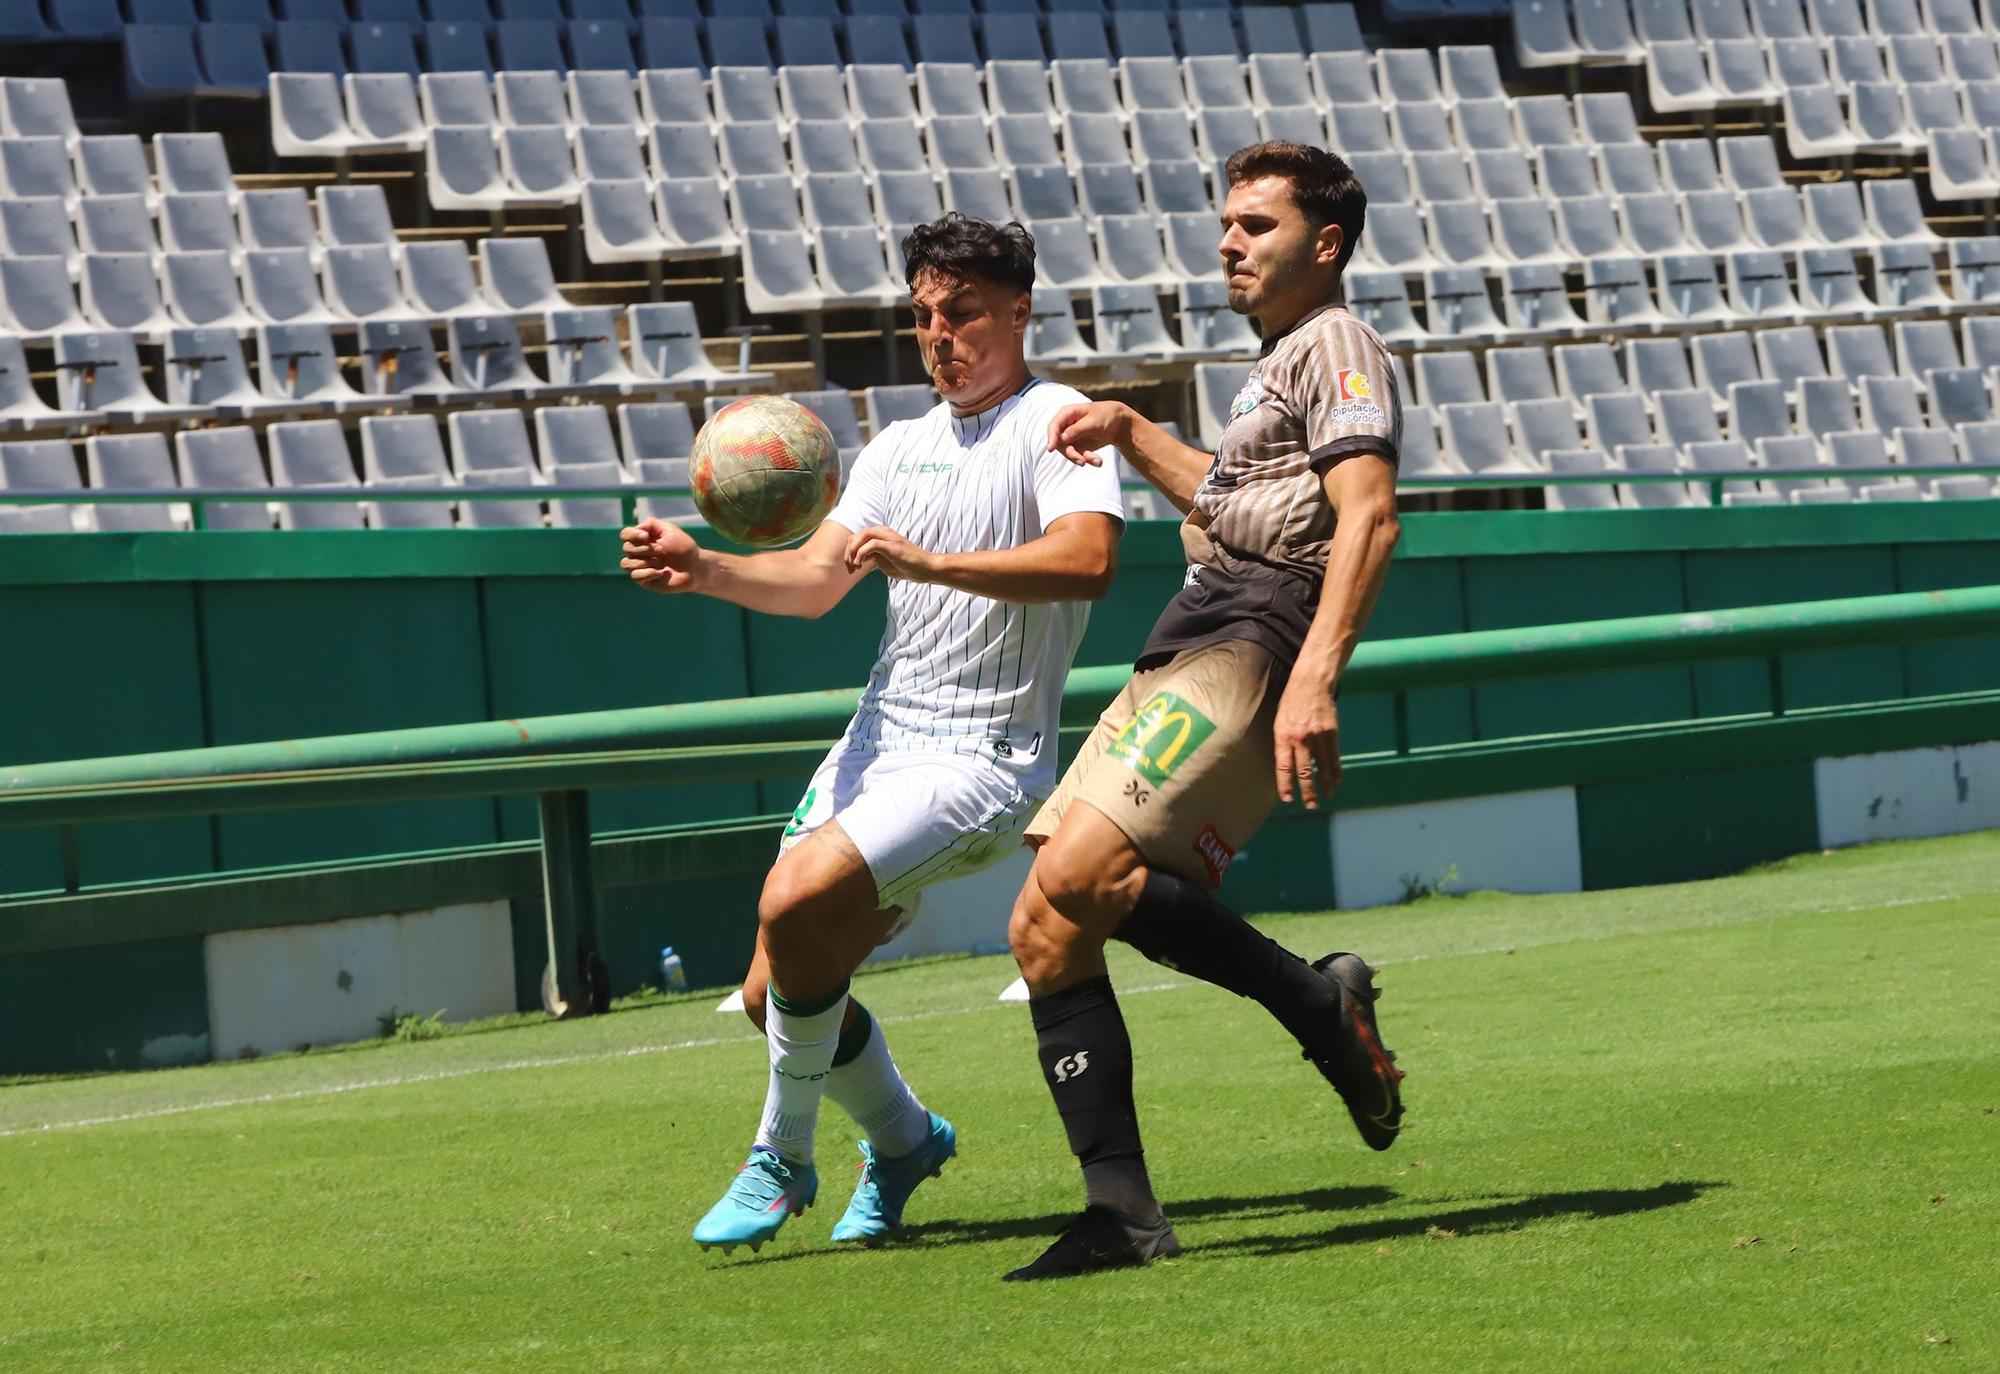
point(764, 471)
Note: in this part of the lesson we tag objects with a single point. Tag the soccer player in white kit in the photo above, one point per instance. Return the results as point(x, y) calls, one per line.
point(993, 546)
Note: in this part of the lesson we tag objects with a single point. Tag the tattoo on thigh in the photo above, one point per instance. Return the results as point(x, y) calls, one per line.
point(836, 840)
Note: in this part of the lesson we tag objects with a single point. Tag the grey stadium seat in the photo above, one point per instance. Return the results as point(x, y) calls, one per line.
point(131, 462)
point(298, 368)
point(224, 460)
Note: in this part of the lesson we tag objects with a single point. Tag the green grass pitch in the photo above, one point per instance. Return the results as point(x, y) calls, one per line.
point(1740, 1124)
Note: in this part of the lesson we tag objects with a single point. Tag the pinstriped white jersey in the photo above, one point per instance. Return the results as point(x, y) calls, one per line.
point(958, 673)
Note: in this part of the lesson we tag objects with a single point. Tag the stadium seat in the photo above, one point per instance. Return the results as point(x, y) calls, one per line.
point(1535, 301)
point(516, 275)
point(584, 357)
point(22, 408)
point(604, 99)
point(360, 283)
point(1054, 340)
point(42, 465)
point(1588, 227)
point(1382, 300)
point(311, 454)
point(132, 462)
point(536, 99)
point(405, 451)
point(223, 460)
point(607, 152)
point(201, 289)
point(400, 360)
point(667, 345)
point(115, 224)
point(438, 280)
point(1689, 292)
point(299, 369)
point(264, 219)
point(121, 291)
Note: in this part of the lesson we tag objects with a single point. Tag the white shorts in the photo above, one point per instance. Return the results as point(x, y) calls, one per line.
point(917, 819)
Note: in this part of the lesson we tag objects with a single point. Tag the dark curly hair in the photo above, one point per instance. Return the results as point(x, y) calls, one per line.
point(1323, 185)
point(959, 248)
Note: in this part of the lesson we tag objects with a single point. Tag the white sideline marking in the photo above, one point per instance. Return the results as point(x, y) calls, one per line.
point(561, 1061)
point(470, 1071)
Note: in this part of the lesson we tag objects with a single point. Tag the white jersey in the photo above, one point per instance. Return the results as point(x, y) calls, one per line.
point(958, 673)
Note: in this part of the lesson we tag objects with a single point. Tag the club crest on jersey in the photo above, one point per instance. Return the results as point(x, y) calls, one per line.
point(1248, 398)
point(1351, 384)
point(1162, 736)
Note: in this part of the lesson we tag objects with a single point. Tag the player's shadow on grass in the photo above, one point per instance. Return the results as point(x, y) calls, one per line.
point(1588, 1203)
point(1206, 1208)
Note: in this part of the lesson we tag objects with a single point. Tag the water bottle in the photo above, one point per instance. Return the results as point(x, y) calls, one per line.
point(673, 977)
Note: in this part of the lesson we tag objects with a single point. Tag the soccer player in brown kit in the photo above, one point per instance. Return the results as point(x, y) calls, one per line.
point(1290, 526)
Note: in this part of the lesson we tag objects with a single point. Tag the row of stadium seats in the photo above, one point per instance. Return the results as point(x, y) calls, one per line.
point(1130, 328)
point(1552, 33)
point(105, 21)
point(143, 291)
point(178, 61)
point(573, 445)
point(488, 448)
point(789, 95)
point(101, 380)
point(1767, 400)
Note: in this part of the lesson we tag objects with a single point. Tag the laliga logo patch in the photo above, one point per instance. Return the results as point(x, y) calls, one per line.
point(1352, 385)
point(1247, 399)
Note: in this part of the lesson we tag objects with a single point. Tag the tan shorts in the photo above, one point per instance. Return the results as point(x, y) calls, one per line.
point(1181, 761)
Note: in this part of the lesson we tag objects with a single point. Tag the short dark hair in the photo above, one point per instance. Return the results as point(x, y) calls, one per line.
point(960, 248)
point(1323, 186)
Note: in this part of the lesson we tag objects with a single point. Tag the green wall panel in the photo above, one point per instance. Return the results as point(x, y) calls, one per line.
point(330, 657)
point(1552, 590)
point(1669, 830)
point(1420, 597)
point(1722, 579)
point(89, 671)
point(1287, 866)
point(555, 645)
point(112, 1007)
point(1959, 665)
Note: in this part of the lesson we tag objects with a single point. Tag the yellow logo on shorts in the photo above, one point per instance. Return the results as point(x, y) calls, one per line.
point(1160, 737)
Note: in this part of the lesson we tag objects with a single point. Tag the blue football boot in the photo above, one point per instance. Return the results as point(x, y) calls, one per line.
point(766, 1191)
point(886, 1184)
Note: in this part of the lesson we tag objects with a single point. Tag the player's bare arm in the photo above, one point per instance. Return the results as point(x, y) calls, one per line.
point(1174, 468)
point(1073, 561)
point(807, 581)
point(1306, 735)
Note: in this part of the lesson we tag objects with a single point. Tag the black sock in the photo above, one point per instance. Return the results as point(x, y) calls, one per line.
point(1087, 1060)
point(854, 1033)
point(1177, 924)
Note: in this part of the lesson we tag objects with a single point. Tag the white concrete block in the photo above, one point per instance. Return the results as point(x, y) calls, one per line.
point(327, 984)
point(965, 915)
point(1906, 794)
point(1514, 842)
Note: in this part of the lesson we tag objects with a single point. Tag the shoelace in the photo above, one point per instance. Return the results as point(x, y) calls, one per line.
point(764, 1179)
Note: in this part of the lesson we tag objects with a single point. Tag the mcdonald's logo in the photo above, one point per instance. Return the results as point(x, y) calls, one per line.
point(1161, 737)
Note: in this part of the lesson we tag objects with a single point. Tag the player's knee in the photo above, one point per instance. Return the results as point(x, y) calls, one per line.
point(1073, 886)
point(784, 901)
point(1032, 936)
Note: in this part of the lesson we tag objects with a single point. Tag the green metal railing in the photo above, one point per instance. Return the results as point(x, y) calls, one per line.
point(561, 758)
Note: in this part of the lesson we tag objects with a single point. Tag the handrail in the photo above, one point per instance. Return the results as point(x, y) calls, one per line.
point(687, 733)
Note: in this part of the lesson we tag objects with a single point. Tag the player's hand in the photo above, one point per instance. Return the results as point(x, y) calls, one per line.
point(1306, 741)
point(1077, 430)
point(878, 546)
point(660, 557)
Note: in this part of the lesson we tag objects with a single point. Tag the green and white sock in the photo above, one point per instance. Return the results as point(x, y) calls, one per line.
point(802, 1039)
point(868, 1086)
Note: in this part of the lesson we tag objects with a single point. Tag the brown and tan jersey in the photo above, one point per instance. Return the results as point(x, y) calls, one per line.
point(1258, 536)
